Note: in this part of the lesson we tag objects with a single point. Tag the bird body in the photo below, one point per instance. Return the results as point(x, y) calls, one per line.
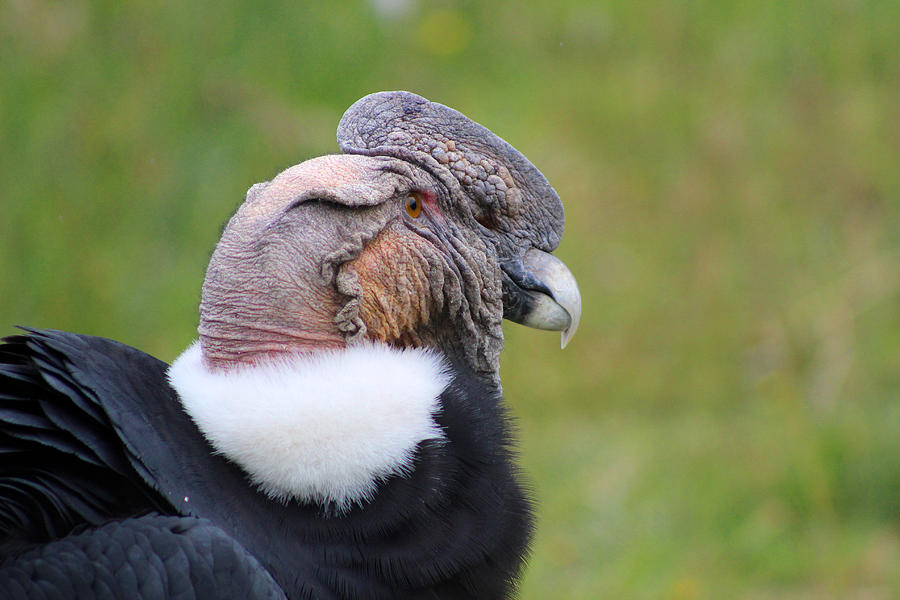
point(338, 430)
point(460, 511)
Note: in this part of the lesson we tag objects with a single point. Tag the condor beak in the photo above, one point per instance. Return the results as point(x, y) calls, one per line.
point(540, 291)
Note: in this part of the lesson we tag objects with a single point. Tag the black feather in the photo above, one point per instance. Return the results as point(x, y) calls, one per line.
point(150, 557)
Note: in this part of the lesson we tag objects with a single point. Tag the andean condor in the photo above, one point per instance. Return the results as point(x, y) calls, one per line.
point(337, 431)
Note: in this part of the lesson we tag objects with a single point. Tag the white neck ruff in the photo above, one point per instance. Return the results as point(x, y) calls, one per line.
point(325, 428)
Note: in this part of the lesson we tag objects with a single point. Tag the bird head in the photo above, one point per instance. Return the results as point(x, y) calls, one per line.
point(426, 232)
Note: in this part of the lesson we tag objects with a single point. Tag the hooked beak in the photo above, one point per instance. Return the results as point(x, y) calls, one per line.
point(540, 291)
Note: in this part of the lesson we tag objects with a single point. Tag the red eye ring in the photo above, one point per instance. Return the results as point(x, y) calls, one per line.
point(413, 204)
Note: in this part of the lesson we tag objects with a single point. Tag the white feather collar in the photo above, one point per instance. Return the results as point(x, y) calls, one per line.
point(325, 428)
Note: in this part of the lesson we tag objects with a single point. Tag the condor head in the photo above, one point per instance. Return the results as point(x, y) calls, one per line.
point(426, 232)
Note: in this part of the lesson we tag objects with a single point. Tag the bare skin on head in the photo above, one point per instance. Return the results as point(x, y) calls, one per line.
point(329, 252)
point(392, 275)
point(261, 296)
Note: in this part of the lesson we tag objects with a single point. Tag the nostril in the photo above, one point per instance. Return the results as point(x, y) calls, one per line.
point(487, 216)
point(488, 221)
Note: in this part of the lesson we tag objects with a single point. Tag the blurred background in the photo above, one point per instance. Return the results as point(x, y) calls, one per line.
point(726, 423)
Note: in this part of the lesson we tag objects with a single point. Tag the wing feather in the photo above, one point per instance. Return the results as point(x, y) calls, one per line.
point(140, 558)
point(61, 462)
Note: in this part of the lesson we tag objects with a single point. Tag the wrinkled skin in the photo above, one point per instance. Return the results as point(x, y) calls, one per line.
point(327, 254)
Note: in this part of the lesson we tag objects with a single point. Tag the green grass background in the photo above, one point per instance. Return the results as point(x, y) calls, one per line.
point(726, 423)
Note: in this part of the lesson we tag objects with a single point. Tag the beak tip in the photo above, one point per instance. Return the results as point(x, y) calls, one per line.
point(569, 332)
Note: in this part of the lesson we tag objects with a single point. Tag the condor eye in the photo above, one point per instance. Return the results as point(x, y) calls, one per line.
point(413, 205)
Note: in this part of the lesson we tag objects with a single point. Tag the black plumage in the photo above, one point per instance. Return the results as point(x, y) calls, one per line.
point(96, 449)
point(143, 557)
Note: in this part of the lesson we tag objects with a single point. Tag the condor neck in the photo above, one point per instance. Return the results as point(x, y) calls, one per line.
point(322, 428)
point(228, 346)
